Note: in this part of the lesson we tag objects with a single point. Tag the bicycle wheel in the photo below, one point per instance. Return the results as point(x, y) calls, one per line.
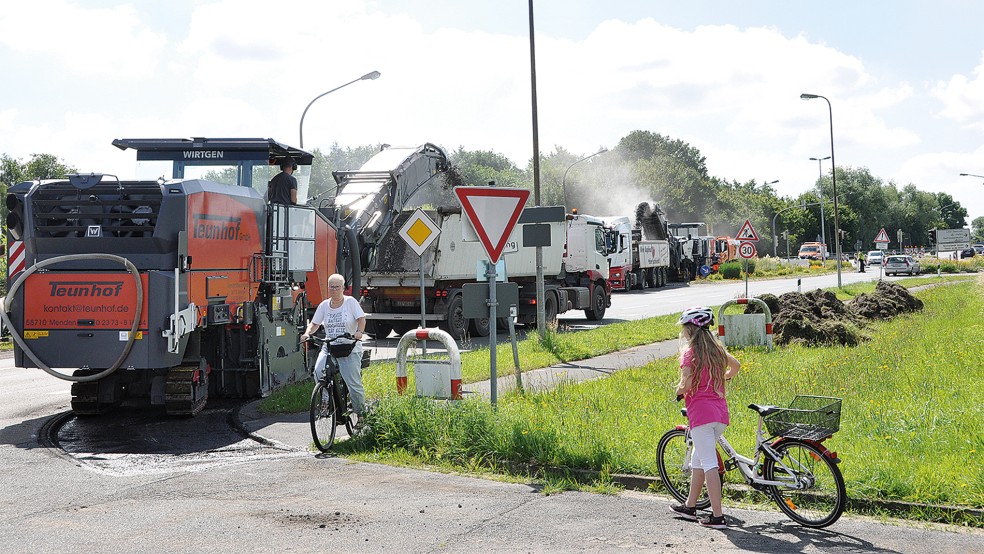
point(323, 416)
point(822, 501)
point(673, 462)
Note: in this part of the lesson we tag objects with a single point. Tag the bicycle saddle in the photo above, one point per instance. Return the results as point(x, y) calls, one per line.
point(765, 410)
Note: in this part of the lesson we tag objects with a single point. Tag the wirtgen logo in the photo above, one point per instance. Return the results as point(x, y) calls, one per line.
point(216, 227)
point(97, 289)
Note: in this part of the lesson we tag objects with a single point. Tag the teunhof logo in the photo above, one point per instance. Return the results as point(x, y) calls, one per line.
point(97, 289)
point(216, 227)
point(648, 249)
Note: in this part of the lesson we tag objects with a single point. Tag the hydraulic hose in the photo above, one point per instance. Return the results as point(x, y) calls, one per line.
point(16, 334)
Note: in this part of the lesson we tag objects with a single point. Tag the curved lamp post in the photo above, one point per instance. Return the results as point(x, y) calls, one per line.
point(563, 183)
point(366, 77)
point(833, 175)
point(823, 232)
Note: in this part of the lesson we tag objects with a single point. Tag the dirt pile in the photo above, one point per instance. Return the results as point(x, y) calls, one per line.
point(818, 318)
point(888, 300)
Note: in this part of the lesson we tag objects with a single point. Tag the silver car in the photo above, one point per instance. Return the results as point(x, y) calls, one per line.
point(901, 264)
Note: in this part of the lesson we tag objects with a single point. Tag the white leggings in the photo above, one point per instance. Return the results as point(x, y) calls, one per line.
point(705, 442)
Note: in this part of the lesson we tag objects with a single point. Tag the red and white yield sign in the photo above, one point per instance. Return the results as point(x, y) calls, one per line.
point(493, 212)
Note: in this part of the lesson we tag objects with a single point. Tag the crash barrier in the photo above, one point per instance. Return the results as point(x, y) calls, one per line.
point(434, 378)
point(745, 329)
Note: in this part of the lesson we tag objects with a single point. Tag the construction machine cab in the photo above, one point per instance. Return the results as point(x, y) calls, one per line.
point(248, 162)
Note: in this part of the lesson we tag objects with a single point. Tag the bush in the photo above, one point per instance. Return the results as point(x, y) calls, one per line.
point(730, 270)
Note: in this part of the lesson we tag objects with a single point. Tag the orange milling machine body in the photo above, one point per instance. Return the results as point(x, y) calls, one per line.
point(228, 281)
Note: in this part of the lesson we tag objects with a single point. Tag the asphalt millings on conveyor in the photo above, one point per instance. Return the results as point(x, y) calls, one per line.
point(817, 317)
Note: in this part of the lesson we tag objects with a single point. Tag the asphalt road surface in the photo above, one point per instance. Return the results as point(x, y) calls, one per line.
point(139, 481)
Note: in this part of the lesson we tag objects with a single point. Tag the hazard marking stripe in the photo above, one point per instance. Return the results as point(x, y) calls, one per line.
point(15, 259)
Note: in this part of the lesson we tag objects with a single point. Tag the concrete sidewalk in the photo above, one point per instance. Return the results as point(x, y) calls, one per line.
point(293, 431)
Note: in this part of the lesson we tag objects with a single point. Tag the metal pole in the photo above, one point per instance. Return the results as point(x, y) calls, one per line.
point(833, 178)
point(490, 273)
point(541, 316)
point(423, 307)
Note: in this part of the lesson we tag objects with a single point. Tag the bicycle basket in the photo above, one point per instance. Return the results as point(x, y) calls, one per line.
point(807, 417)
point(341, 349)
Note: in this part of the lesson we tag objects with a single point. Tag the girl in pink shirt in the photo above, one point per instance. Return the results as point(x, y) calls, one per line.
point(705, 366)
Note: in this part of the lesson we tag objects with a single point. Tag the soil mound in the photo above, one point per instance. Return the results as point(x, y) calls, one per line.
point(887, 301)
point(818, 318)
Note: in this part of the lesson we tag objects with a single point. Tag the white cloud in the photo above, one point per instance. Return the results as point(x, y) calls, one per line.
point(99, 42)
point(963, 98)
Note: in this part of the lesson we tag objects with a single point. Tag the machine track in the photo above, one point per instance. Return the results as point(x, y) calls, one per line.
point(86, 397)
point(186, 391)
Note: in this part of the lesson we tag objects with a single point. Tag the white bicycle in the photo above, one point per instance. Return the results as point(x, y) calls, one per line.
point(790, 463)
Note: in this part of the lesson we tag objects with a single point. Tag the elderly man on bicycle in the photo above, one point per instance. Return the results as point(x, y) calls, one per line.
point(341, 314)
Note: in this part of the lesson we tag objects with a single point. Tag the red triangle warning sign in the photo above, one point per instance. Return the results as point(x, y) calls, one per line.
point(747, 233)
point(882, 236)
point(493, 213)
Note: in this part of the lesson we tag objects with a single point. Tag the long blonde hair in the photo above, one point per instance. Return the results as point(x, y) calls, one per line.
point(707, 353)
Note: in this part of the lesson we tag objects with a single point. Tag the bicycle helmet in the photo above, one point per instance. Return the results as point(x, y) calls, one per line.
point(698, 315)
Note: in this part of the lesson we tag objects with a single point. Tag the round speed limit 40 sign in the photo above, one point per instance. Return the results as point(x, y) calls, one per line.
point(746, 250)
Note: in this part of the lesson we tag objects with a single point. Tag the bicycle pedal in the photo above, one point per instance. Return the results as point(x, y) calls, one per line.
point(730, 464)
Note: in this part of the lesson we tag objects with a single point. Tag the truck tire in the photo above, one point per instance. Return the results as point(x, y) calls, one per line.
point(378, 329)
point(549, 311)
point(456, 325)
point(480, 327)
point(640, 279)
point(651, 280)
point(598, 304)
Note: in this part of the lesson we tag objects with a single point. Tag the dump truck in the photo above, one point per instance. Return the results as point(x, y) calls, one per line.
point(634, 262)
point(375, 201)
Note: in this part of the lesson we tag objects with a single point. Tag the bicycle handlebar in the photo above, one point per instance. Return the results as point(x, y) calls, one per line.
point(324, 340)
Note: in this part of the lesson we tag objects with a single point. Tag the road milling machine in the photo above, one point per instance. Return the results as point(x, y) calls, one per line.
point(173, 289)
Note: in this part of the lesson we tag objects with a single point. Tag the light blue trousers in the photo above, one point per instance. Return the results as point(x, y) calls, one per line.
point(351, 369)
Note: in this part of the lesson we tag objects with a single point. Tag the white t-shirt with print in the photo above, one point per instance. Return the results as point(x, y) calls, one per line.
point(341, 320)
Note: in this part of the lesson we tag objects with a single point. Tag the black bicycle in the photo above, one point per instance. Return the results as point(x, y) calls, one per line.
point(330, 402)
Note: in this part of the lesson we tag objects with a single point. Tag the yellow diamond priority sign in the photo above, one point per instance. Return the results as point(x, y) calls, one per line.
point(419, 231)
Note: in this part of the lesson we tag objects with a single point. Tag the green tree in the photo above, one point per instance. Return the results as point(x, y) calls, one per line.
point(977, 230)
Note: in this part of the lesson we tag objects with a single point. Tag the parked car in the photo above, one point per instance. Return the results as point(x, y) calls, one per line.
point(979, 248)
point(967, 253)
point(901, 264)
point(875, 257)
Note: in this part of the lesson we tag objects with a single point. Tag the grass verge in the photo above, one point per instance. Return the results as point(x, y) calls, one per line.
point(912, 429)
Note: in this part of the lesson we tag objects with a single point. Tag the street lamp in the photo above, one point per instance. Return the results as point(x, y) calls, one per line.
point(971, 175)
point(833, 176)
point(823, 233)
point(563, 183)
point(366, 77)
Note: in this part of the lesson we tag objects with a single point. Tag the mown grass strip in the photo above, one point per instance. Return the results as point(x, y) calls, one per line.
point(912, 428)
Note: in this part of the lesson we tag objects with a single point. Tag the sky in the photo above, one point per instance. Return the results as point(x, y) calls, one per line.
point(904, 78)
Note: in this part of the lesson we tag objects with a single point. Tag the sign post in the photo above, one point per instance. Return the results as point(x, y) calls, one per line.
point(746, 235)
point(881, 242)
point(493, 212)
point(419, 232)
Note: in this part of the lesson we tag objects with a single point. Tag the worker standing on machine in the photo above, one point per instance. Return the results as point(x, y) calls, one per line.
point(282, 189)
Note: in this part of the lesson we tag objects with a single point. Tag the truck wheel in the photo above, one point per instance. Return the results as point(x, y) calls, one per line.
point(597, 310)
point(480, 327)
point(549, 311)
point(641, 279)
point(456, 325)
point(651, 280)
point(378, 329)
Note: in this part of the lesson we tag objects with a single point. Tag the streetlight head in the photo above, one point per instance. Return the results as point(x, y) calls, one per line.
point(370, 76)
point(806, 96)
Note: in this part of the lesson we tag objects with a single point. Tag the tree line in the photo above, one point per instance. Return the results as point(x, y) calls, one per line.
point(649, 167)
